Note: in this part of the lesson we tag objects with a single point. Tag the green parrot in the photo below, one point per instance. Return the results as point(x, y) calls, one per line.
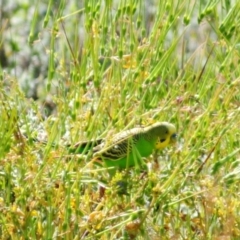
point(128, 148)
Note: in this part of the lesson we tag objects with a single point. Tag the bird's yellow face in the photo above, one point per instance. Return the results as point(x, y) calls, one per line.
point(170, 137)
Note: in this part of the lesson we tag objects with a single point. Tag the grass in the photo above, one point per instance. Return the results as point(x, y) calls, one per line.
point(112, 66)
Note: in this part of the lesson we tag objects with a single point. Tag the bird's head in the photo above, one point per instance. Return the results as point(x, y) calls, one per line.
point(165, 133)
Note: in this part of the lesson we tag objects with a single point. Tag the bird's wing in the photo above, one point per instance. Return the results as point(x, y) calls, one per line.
point(119, 146)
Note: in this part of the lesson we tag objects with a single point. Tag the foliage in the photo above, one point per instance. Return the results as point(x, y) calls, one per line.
point(95, 68)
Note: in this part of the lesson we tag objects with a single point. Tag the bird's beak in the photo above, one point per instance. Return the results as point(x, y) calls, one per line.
point(173, 138)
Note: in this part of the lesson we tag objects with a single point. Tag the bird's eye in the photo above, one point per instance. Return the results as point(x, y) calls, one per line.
point(162, 140)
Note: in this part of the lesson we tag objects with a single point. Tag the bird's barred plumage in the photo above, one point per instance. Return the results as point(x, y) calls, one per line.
point(119, 145)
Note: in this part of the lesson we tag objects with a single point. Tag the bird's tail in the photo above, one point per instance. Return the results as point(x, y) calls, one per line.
point(82, 147)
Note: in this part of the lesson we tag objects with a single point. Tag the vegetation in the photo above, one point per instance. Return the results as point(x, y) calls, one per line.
point(93, 69)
